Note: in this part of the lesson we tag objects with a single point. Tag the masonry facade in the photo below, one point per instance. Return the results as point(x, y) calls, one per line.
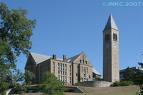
point(68, 70)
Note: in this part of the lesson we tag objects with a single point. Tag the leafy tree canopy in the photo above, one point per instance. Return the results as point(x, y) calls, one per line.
point(15, 34)
point(51, 85)
point(29, 76)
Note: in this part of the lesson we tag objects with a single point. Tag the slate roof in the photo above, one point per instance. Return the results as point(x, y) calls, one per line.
point(95, 71)
point(74, 58)
point(39, 58)
point(111, 23)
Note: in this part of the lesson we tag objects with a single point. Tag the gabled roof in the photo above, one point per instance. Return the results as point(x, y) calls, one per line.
point(111, 23)
point(39, 58)
point(72, 59)
point(95, 71)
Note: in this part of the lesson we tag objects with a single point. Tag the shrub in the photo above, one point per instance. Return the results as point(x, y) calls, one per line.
point(126, 83)
point(51, 85)
point(3, 87)
point(122, 83)
point(115, 84)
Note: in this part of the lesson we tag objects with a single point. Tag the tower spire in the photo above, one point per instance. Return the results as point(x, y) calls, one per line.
point(111, 23)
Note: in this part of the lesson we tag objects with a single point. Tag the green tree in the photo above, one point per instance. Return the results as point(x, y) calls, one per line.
point(139, 78)
point(122, 83)
point(29, 76)
point(51, 85)
point(3, 87)
point(139, 81)
point(15, 34)
point(129, 74)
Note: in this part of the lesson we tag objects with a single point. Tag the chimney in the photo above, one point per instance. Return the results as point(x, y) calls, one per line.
point(54, 56)
point(64, 58)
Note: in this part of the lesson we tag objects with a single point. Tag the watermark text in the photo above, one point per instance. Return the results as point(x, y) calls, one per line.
point(122, 4)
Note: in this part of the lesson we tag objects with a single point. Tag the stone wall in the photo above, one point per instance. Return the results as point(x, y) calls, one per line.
point(95, 84)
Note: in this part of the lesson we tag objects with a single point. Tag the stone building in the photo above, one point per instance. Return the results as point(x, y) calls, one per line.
point(111, 51)
point(78, 68)
point(69, 70)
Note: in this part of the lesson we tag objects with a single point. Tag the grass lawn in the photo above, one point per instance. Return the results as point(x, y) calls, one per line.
point(128, 90)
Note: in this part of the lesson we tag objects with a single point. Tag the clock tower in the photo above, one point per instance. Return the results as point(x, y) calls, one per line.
point(111, 51)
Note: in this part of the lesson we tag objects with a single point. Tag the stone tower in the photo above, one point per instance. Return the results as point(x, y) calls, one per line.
point(111, 51)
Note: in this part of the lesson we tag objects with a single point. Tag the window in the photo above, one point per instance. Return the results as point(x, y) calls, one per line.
point(58, 71)
point(70, 80)
point(54, 67)
point(63, 72)
point(76, 74)
point(70, 67)
point(114, 37)
point(61, 78)
point(84, 75)
point(84, 70)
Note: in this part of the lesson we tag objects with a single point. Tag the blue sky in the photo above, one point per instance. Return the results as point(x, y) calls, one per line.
point(71, 26)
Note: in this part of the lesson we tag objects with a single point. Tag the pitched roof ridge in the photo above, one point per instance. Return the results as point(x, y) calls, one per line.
point(39, 57)
point(33, 53)
point(95, 71)
point(76, 56)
